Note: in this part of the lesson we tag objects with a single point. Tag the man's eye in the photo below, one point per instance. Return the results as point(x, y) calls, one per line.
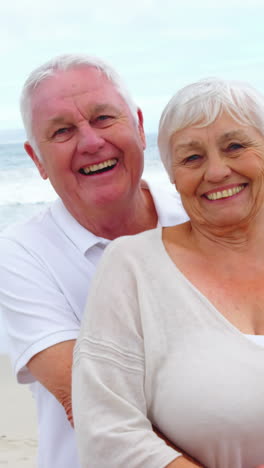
point(192, 158)
point(103, 117)
point(61, 131)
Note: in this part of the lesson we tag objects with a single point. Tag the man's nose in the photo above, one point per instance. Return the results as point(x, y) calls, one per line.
point(217, 168)
point(90, 140)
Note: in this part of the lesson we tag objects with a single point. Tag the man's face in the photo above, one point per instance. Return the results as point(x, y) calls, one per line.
point(91, 147)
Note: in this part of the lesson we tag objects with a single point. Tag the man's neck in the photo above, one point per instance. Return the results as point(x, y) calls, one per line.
point(131, 218)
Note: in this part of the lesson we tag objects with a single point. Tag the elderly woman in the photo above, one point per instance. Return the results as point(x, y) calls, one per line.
point(173, 333)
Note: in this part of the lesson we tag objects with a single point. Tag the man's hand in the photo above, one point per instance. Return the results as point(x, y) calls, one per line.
point(185, 460)
point(52, 367)
point(162, 436)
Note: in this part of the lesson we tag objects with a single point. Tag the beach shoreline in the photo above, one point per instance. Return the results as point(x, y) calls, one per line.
point(18, 422)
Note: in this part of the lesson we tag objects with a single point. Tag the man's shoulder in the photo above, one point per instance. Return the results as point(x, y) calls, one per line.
point(167, 203)
point(24, 228)
point(35, 231)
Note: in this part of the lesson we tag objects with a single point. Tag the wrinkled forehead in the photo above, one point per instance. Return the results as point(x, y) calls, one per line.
point(223, 129)
point(72, 83)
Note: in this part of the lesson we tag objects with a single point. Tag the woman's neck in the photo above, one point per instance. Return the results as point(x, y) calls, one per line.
point(246, 238)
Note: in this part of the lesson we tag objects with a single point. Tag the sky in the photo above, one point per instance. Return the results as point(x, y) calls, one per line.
point(157, 46)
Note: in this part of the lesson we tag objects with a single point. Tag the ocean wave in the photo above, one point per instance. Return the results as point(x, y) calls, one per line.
point(23, 191)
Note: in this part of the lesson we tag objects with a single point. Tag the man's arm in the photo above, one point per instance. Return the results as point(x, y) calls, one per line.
point(41, 324)
point(52, 367)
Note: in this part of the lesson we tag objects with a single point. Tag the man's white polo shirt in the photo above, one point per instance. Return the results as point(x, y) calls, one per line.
point(46, 267)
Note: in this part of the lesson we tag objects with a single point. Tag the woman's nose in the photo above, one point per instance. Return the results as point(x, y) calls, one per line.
point(216, 169)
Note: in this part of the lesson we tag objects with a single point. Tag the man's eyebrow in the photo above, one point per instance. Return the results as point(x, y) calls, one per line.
point(64, 118)
point(59, 119)
point(105, 107)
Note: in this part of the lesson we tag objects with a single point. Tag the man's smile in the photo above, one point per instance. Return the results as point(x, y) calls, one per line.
point(98, 168)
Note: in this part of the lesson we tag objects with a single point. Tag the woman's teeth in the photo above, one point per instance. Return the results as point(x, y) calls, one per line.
point(225, 193)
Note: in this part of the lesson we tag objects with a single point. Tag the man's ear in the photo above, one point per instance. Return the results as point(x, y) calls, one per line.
point(30, 151)
point(141, 127)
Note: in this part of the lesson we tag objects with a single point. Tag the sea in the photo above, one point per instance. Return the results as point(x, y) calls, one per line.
point(23, 193)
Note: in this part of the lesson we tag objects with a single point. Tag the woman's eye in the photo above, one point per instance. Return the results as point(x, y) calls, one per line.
point(191, 158)
point(234, 146)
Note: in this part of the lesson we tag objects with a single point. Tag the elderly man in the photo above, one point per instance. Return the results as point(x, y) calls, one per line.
point(86, 136)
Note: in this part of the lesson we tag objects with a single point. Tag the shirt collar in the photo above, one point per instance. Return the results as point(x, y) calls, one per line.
point(79, 235)
point(84, 239)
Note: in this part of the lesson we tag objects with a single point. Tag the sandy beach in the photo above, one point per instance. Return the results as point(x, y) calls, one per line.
point(18, 427)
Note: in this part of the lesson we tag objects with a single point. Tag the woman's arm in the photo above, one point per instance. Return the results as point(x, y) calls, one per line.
point(110, 410)
point(109, 400)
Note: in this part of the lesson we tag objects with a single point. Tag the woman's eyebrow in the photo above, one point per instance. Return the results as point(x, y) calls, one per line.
point(232, 134)
point(186, 145)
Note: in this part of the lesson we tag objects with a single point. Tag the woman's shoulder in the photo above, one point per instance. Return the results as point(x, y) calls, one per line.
point(129, 252)
point(136, 241)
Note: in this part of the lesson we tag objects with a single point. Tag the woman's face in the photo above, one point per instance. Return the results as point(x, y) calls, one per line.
point(219, 172)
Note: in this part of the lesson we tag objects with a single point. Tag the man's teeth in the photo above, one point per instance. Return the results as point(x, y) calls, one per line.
point(225, 193)
point(98, 167)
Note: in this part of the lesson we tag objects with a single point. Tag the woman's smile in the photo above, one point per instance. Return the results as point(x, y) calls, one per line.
point(224, 193)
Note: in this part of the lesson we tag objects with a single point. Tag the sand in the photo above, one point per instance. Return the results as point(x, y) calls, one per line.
point(18, 425)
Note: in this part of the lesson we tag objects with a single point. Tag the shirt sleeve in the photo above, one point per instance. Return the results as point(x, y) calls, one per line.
point(35, 311)
point(109, 402)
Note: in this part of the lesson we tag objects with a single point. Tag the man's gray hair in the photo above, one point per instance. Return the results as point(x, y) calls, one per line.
point(63, 63)
point(200, 103)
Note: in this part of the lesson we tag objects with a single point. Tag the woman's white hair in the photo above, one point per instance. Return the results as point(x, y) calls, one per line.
point(200, 103)
point(63, 63)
